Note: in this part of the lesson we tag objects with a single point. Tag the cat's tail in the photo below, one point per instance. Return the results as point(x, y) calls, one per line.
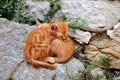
point(41, 64)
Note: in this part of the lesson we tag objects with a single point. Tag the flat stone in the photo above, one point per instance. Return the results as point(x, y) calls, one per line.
point(12, 37)
point(12, 41)
point(35, 9)
point(27, 72)
point(80, 36)
point(99, 15)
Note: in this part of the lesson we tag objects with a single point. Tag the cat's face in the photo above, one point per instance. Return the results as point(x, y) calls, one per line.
point(60, 29)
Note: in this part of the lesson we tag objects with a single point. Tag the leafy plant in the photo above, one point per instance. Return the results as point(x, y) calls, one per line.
point(71, 77)
point(105, 62)
point(10, 9)
point(64, 18)
point(100, 77)
point(90, 67)
point(78, 25)
point(78, 49)
point(75, 24)
point(54, 7)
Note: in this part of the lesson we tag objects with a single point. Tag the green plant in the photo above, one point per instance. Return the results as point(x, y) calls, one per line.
point(71, 77)
point(64, 18)
point(104, 63)
point(54, 7)
point(10, 9)
point(89, 67)
point(100, 77)
point(78, 25)
point(18, 11)
point(75, 24)
point(78, 49)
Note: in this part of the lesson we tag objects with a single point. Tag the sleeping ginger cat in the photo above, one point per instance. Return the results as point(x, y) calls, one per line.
point(49, 43)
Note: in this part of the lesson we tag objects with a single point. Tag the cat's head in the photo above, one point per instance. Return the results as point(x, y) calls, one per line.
point(60, 29)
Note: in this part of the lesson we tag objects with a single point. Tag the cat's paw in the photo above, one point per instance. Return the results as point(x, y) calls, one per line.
point(50, 60)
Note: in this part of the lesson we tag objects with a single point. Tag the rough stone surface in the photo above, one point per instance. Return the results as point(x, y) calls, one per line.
point(115, 33)
point(98, 71)
point(12, 39)
point(117, 78)
point(115, 75)
point(102, 45)
point(35, 9)
point(99, 15)
point(80, 36)
point(27, 72)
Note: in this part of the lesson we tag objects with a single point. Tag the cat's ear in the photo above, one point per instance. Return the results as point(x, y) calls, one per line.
point(54, 27)
point(51, 22)
point(37, 22)
point(69, 24)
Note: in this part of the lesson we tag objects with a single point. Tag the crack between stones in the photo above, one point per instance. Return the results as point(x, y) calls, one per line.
point(100, 50)
point(54, 76)
point(15, 69)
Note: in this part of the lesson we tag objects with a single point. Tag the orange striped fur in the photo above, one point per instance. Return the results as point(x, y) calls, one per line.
point(49, 44)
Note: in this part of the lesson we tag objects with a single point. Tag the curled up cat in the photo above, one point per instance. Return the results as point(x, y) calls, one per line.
point(49, 44)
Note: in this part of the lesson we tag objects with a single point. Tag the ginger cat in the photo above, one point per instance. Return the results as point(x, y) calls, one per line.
point(62, 47)
point(49, 43)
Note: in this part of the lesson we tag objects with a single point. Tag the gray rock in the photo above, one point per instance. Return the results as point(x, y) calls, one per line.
point(27, 72)
point(80, 36)
point(35, 9)
point(12, 39)
point(99, 15)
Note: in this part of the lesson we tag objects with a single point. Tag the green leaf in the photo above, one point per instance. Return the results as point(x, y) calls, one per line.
point(57, 6)
point(104, 58)
point(78, 48)
point(100, 77)
point(78, 25)
point(89, 67)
